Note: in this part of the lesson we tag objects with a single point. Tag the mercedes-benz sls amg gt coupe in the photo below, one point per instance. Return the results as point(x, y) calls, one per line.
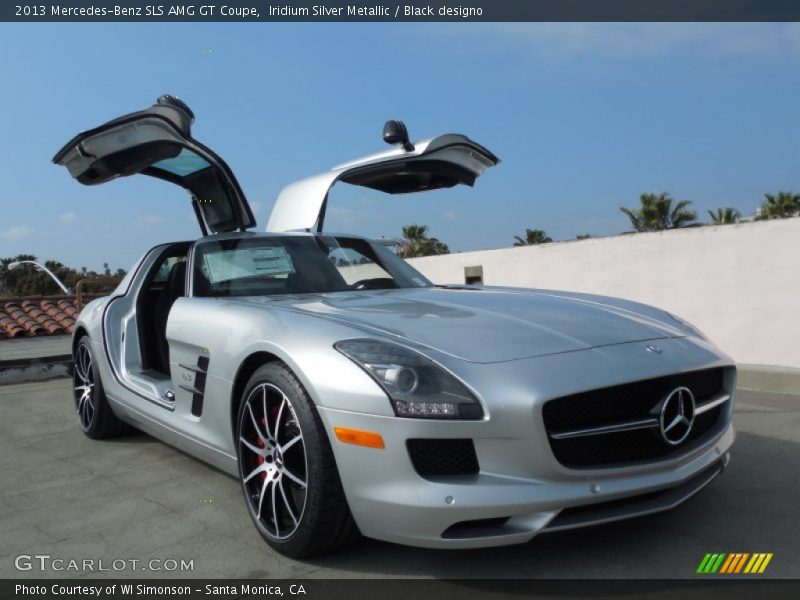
point(350, 395)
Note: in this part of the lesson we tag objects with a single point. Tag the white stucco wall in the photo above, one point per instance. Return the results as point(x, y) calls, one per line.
point(740, 284)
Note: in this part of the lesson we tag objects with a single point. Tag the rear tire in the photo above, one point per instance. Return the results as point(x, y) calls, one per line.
point(95, 416)
point(288, 473)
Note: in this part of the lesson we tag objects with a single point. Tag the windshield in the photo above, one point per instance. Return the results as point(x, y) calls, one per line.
point(265, 265)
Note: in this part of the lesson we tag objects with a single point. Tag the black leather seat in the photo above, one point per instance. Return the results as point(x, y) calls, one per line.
point(174, 289)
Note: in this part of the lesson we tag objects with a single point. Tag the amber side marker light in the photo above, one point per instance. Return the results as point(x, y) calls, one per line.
point(358, 437)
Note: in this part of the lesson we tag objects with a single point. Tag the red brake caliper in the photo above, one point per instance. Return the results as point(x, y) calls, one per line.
point(260, 459)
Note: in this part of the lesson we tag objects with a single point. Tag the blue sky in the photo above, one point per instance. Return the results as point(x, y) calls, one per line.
point(585, 117)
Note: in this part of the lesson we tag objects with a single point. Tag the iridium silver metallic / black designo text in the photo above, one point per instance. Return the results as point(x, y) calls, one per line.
point(351, 395)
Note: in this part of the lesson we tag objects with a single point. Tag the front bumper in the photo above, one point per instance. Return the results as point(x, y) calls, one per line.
point(391, 502)
point(521, 490)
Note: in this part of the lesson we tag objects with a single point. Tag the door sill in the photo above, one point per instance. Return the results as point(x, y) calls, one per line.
point(158, 384)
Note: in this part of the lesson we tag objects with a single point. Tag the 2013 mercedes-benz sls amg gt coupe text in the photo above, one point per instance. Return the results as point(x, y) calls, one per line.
point(349, 394)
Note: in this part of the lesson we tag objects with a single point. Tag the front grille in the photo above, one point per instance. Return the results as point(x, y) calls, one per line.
point(438, 457)
point(629, 402)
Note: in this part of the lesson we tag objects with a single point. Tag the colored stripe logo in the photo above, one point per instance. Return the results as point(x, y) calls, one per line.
point(735, 562)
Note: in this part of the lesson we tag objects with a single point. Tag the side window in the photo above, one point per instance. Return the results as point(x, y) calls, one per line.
point(166, 266)
point(354, 266)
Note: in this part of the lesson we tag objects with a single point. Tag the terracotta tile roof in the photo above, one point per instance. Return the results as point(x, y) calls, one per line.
point(37, 316)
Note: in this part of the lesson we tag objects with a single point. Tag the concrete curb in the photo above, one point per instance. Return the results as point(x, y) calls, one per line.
point(764, 378)
point(35, 369)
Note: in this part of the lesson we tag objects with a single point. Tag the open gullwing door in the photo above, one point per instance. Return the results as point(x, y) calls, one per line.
point(157, 142)
point(440, 162)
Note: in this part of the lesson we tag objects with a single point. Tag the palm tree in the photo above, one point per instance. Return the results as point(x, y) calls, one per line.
point(779, 206)
point(416, 242)
point(532, 237)
point(657, 212)
point(724, 216)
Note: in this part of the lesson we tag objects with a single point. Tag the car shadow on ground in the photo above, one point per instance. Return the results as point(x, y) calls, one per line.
point(133, 437)
point(746, 509)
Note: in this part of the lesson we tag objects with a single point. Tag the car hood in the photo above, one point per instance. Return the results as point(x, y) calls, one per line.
point(490, 325)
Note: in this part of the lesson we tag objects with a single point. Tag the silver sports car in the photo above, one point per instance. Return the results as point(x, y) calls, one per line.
point(349, 394)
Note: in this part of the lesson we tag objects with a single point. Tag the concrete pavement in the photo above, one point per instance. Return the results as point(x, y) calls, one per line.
point(135, 498)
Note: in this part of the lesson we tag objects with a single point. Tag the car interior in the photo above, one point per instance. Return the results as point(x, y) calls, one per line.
point(314, 270)
point(164, 284)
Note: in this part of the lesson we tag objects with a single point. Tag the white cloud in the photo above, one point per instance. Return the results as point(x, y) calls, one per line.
point(16, 233)
point(623, 41)
point(257, 208)
point(149, 219)
point(450, 215)
point(67, 217)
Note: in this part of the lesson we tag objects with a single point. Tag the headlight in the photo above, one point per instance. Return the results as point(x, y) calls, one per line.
point(416, 386)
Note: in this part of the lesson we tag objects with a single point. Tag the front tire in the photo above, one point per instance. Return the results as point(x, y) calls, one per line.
point(289, 477)
point(95, 416)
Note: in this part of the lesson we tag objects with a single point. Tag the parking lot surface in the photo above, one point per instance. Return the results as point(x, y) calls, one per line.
point(69, 497)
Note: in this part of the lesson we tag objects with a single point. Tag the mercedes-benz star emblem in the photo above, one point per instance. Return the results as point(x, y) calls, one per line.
point(677, 416)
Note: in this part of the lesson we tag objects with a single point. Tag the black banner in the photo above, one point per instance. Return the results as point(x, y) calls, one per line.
point(385, 589)
point(405, 10)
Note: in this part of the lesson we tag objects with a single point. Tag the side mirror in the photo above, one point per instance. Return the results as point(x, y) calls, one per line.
point(395, 132)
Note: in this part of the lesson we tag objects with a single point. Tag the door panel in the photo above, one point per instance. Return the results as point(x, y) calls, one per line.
point(442, 162)
point(157, 142)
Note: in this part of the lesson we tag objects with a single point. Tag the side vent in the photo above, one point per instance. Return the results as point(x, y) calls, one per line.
point(199, 389)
